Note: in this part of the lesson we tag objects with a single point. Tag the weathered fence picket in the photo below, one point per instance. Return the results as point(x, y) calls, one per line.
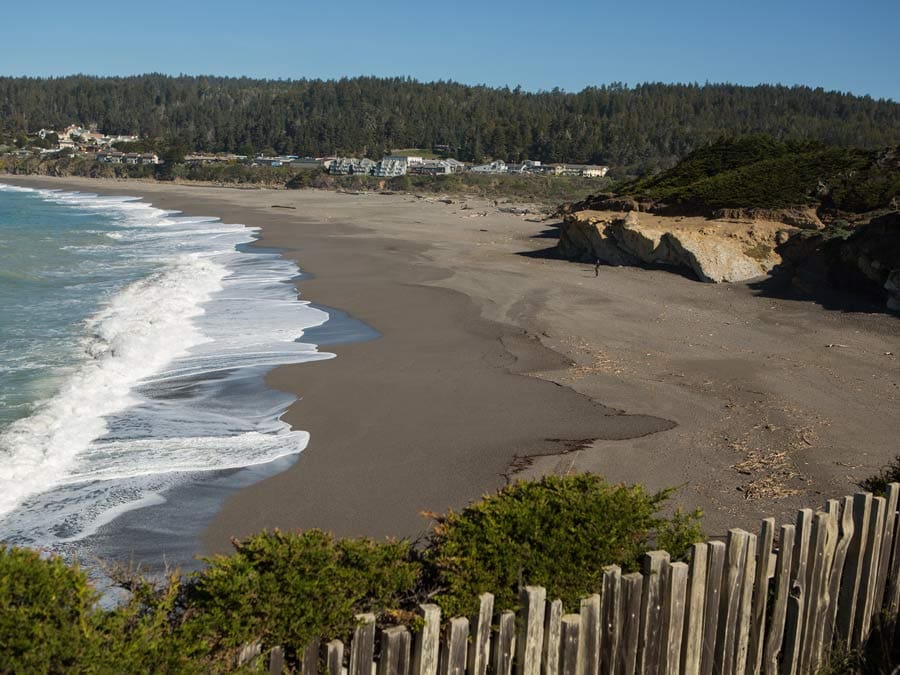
point(745, 606)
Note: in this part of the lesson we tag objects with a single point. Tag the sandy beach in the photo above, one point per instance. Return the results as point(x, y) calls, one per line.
point(496, 362)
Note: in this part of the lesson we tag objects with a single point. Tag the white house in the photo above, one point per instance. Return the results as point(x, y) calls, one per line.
point(497, 166)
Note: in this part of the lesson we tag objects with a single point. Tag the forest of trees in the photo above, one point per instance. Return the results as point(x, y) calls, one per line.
point(640, 128)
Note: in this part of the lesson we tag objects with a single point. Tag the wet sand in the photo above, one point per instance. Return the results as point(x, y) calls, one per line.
point(490, 352)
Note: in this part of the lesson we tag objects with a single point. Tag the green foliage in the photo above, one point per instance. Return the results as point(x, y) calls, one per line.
point(878, 483)
point(642, 128)
point(558, 532)
point(45, 613)
point(291, 588)
point(760, 172)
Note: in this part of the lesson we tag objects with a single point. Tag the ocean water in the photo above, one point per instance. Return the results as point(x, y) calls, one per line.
point(133, 345)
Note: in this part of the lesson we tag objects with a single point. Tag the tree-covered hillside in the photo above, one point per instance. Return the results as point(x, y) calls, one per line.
point(642, 128)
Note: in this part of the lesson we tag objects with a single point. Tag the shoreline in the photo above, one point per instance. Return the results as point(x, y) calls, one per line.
point(489, 349)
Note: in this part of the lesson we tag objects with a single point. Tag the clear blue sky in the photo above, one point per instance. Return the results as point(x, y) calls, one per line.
point(835, 44)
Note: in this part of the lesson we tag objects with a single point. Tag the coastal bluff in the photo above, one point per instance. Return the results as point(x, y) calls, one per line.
point(724, 250)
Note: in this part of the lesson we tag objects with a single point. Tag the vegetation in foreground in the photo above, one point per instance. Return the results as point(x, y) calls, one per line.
point(286, 589)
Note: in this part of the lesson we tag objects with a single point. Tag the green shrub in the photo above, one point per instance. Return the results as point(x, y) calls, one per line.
point(287, 589)
point(558, 532)
point(46, 612)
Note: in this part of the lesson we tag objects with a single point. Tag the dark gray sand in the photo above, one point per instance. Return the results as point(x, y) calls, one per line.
point(489, 352)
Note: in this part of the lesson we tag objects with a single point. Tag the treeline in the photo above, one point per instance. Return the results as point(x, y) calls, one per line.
point(643, 127)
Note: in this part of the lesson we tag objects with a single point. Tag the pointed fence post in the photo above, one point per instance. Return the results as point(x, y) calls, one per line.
point(870, 571)
point(276, 661)
point(845, 537)
point(892, 495)
point(310, 658)
point(730, 602)
point(571, 629)
point(793, 625)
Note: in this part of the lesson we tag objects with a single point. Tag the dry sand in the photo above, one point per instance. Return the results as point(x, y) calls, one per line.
point(491, 352)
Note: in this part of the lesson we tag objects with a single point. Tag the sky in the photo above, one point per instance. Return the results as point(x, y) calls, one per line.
point(570, 44)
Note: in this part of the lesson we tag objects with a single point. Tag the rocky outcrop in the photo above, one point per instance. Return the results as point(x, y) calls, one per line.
point(864, 259)
point(713, 251)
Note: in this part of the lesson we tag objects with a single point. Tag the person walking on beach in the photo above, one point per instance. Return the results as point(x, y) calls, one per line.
point(597, 267)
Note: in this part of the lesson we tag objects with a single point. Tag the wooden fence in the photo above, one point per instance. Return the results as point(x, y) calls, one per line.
point(740, 606)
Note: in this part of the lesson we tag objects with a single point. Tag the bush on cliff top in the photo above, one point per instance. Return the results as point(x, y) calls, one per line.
point(558, 532)
point(287, 589)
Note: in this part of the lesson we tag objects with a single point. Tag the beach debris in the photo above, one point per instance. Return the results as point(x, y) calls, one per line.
point(283, 206)
point(831, 345)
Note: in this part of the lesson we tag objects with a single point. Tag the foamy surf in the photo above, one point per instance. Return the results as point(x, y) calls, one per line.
point(155, 389)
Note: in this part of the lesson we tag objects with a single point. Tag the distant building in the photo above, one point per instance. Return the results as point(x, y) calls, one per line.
point(497, 166)
point(347, 166)
point(111, 157)
point(585, 170)
point(307, 163)
point(390, 167)
point(115, 157)
point(432, 168)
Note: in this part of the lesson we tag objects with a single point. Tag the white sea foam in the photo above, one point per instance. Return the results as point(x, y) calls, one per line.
point(154, 391)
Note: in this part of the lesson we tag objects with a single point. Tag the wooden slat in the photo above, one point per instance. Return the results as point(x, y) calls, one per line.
point(653, 567)
point(745, 612)
point(427, 641)
point(589, 636)
point(893, 587)
point(714, 573)
point(824, 601)
point(480, 651)
point(455, 653)
point(692, 646)
point(362, 648)
point(813, 592)
point(610, 611)
point(760, 596)
point(248, 653)
point(775, 634)
point(395, 651)
point(552, 637)
point(675, 595)
point(870, 572)
point(850, 583)
point(793, 625)
point(632, 592)
point(505, 647)
point(334, 657)
point(533, 600)
point(571, 628)
point(309, 664)
point(892, 495)
point(845, 537)
point(276, 661)
point(730, 601)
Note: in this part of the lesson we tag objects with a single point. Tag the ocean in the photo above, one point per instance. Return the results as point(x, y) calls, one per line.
point(133, 347)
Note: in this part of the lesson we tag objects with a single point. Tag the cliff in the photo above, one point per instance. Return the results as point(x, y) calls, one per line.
point(711, 250)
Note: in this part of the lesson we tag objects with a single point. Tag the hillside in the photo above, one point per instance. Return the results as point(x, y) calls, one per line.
point(759, 173)
point(633, 129)
point(814, 218)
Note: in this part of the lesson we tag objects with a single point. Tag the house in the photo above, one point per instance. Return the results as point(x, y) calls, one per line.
point(497, 166)
point(432, 168)
point(149, 158)
point(390, 167)
point(348, 166)
point(584, 170)
point(111, 157)
point(307, 163)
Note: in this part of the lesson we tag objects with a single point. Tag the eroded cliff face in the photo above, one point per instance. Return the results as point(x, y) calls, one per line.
point(712, 250)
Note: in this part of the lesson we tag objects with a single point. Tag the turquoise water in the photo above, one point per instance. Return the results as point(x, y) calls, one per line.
point(133, 343)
